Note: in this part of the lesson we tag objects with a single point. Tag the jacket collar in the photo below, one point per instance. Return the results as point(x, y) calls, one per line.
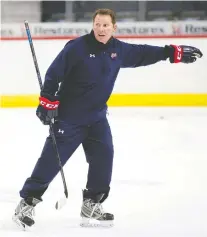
point(95, 43)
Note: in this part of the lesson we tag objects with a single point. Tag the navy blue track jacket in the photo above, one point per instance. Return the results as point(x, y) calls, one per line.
point(84, 72)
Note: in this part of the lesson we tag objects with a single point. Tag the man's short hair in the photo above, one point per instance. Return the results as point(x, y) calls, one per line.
point(105, 11)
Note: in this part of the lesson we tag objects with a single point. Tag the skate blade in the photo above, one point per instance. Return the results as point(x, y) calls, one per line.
point(20, 224)
point(91, 223)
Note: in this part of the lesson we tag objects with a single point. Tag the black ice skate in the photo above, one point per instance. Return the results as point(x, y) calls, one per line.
point(92, 212)
point(24, 212)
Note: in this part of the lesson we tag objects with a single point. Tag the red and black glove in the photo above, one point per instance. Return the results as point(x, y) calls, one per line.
point(47, 109)
point(182, 53)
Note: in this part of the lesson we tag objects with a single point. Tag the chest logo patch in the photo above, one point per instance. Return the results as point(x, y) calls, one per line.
point(92, 55)
point(113, 55)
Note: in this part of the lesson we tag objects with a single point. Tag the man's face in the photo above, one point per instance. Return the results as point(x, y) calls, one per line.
point(103, 28)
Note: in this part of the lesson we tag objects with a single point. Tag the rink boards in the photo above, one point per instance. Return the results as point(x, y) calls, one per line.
point(15, 101)
point(161, 84)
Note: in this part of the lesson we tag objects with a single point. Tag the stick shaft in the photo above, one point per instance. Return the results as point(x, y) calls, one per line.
point(51, 125)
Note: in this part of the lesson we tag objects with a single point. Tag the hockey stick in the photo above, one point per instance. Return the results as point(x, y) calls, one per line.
point(59, 204)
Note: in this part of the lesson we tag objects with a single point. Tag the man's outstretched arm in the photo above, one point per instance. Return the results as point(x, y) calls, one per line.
point(142, 55)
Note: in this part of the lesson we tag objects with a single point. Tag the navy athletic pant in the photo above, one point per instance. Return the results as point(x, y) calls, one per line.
point(97, 143)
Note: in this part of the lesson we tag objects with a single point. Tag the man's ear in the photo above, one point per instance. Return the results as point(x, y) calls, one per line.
point(115, 27)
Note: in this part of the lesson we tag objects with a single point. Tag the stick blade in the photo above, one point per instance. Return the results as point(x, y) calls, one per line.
point(60, 203)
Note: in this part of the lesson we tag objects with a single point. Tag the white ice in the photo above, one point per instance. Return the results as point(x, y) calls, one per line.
point(159, 186)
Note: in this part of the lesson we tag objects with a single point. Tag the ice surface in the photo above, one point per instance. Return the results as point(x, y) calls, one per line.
point(159, 181)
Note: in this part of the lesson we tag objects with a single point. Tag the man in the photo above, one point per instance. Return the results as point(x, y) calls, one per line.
point(78, 83)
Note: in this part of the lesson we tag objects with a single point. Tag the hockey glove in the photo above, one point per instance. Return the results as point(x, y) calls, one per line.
point(47, 110)
point(182, 53)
